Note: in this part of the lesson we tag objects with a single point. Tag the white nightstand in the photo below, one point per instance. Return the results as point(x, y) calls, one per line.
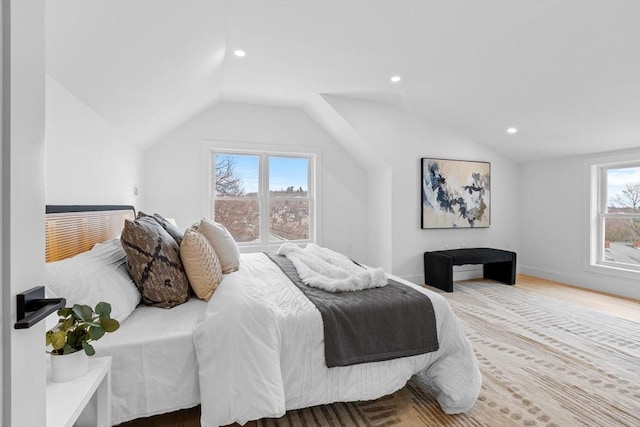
point(66, 401)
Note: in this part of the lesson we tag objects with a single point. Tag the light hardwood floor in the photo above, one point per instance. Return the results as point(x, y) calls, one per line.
point(625, 308)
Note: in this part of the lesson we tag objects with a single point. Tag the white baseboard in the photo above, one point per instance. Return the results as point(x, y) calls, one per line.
point(548, 274)
point(459, 273)
point(467, 274)
point(590, 281)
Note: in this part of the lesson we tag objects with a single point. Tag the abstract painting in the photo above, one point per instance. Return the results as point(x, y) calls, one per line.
point(455, 193)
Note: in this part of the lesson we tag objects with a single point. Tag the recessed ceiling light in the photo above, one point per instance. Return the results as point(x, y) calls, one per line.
point(396, 79)
point(239, 53)
point(512, 130)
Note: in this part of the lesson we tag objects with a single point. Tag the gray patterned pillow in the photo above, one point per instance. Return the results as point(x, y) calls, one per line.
point(153, 262)
point(168, 227)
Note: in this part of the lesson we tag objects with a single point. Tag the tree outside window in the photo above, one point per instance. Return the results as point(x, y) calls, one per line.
point(620, 214)
point(236, 201)
point(263, 198)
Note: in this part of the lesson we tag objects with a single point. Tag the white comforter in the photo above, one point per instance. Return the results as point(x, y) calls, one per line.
point(260, 352)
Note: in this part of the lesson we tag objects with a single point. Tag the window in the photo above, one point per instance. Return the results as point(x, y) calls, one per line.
point(615, 230)
point(264, 198)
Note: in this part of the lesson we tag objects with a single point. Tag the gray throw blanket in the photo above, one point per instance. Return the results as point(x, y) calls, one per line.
point(370, 325)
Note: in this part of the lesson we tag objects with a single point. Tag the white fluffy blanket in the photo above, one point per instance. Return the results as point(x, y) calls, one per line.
point(331, 271)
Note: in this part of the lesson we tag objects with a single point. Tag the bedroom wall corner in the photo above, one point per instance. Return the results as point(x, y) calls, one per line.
point(87, 160)
point(175, 182)
point(553, 229)
point(401, 139)
point(380, 218)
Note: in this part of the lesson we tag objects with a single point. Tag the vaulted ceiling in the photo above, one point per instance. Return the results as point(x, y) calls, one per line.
point(565, 73)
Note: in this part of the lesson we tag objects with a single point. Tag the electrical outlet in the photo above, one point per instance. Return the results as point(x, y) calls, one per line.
point(447, 246)
point(135, 191)
point(464, 245)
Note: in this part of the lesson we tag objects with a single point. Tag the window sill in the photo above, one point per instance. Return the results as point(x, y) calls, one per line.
point(609, 270)
point(268, 247)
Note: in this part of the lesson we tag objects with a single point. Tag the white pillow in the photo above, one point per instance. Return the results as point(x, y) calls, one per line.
point(95, 276)
point(226, 248)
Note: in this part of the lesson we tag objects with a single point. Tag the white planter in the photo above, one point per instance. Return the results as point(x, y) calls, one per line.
point(69, 366)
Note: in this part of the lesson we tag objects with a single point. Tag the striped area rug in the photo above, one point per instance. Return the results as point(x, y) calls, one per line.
point(544, 363)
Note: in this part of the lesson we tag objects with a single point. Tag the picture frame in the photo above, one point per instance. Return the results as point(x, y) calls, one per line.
point(455, 193)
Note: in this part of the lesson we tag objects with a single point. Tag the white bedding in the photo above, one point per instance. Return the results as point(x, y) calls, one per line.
point(331, 271)
point(154, 362)
point(260, 352)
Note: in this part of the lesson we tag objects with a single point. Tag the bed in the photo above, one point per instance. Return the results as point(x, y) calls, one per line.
point(254, 350)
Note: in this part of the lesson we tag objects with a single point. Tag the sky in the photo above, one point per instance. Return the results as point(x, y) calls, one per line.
point(292, 171)
point(288, 171)
point(617, 178)
point(283, 172)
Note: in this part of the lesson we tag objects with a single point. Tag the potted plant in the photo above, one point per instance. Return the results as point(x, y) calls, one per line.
point(70, 339)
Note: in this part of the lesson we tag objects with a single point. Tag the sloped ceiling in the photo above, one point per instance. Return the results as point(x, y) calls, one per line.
point(566, 74)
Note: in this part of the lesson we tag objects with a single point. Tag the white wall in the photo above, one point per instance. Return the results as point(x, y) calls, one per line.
point(380, 218)
point(3, 63)
point(87, 160)
point(174, 178)
point(400, 140)
point(24, 362)
point(553, 232)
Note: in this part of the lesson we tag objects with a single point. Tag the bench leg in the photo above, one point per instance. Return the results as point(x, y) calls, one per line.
point(504, 272)
point(438, 271)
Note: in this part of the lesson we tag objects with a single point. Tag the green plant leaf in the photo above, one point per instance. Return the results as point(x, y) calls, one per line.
point(75, 337)
point(64, 312)
point(68, 323)
point(78, 325)
point(88, 348)
point(58, 340)
point(103, 309)
point(110, 325)
point(96, 332)
point(82, 312)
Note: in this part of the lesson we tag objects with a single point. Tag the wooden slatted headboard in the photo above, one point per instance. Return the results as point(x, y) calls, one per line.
point(72, 229)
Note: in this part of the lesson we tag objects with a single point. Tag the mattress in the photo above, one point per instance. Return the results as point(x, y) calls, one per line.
point(154, 362)
point(260, 349)
point(256, 349)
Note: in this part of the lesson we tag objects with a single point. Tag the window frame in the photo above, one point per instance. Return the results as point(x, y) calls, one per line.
point(264, 152)
point(596, 169)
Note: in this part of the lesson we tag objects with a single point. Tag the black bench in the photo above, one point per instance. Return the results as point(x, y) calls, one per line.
point(498, 265)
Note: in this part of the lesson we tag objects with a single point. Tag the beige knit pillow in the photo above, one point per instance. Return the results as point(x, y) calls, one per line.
point(201, 264)
point(226, 248)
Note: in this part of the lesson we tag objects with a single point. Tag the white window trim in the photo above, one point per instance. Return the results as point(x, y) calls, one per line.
point(592, 167)
point(239, 147)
